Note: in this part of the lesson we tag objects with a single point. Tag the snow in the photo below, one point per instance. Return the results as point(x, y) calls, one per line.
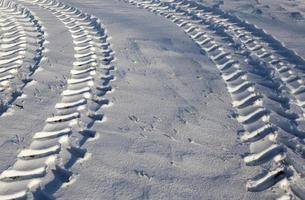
point(113, 99)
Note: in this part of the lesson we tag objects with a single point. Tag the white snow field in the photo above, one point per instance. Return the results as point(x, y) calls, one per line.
point(152, 99)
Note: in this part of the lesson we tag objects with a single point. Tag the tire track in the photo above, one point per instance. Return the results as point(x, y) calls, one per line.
point(261, 46)
point(21, 50)
point(247, 62)
point(42, 168)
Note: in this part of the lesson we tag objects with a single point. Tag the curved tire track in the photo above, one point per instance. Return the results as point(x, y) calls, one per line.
point(263, 78)
point(21, 50)
point(42, 168)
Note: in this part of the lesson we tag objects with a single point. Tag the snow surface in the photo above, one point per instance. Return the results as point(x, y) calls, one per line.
point(164, 126)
